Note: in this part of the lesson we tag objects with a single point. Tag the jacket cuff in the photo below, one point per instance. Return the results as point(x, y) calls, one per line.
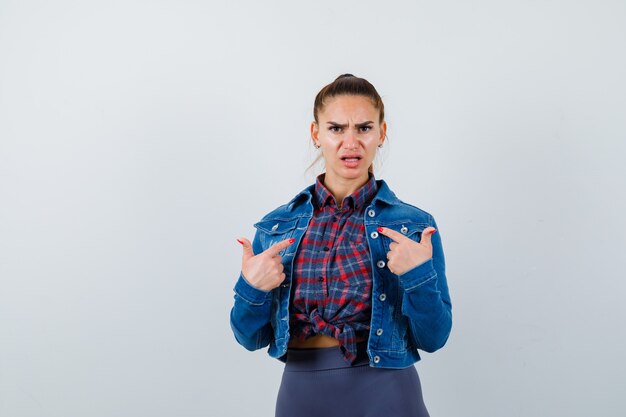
point(250, 294)
point(419, 275)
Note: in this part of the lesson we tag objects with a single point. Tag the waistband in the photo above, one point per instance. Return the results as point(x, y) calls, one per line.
point(320, 359)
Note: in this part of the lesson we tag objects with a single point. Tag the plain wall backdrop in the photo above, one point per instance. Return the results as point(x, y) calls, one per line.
point(139, 139)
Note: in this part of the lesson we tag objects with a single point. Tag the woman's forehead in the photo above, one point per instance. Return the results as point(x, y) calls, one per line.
point(349, 108)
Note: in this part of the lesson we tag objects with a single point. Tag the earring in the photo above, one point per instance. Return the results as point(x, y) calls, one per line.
point(317, 146)
point(380, 145)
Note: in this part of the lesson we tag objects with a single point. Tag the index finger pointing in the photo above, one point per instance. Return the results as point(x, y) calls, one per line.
point(390, 233)
point(277, 247)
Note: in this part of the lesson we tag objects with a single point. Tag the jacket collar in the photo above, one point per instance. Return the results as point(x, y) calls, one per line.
point(384, 195)
point(357, 200)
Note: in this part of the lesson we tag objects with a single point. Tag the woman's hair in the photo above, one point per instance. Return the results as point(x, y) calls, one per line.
point(348, 84)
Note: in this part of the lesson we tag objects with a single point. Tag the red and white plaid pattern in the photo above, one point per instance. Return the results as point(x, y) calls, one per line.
point(332, 276)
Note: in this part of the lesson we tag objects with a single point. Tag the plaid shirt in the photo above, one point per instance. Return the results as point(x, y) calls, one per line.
point(332, 276)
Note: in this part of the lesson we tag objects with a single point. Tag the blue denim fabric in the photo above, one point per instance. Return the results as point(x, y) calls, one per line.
point(409, 312)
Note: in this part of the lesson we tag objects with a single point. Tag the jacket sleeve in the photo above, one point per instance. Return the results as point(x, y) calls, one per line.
point(426, 300)
point(250, 315)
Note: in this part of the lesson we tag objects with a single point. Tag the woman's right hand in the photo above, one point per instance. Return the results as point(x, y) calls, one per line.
point(265, 270)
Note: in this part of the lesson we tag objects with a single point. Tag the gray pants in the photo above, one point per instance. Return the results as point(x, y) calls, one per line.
point(319, 383)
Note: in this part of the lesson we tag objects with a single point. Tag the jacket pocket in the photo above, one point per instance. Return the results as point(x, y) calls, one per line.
point(408, 228)
point(274, 231)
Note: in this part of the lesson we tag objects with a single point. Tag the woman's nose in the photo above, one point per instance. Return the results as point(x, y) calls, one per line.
point(350, 142)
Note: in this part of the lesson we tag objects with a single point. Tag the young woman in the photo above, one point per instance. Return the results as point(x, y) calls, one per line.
point(345, 282)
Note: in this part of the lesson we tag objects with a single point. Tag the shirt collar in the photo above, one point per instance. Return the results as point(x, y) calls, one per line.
point(356, 200)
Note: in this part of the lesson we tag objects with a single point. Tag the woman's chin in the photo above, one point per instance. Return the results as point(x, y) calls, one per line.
point(351, 174)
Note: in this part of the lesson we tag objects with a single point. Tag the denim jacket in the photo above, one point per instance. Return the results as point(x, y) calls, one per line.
point(409, 312)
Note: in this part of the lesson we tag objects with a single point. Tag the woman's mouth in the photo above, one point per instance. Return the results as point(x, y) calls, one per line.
point(351, 161)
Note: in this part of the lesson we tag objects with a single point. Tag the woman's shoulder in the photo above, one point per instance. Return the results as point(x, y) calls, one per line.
point(296, 207)
point(284, 218)
point(400, 208)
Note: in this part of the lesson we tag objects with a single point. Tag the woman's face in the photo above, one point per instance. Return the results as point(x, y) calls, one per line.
point(348, 132)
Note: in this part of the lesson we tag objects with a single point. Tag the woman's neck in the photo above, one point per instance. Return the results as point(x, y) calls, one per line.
point(340, 188)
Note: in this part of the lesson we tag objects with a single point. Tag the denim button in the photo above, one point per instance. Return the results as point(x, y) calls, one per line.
point(380, 264)
point(382, 297)
point(376, 359)
point(404, 230)
point(374, 235)
point(371, 213)
point(379, 332)
point(274, 227)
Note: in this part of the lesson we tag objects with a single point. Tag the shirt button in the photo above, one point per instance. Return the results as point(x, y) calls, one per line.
point(371, 213)
point(374, 235)
point(404, 230)
point(326, 248)
point(274, 227)
point(376, 359)
point(321, 279)
point(380, 264)
point(379, 332)
point(382, 297)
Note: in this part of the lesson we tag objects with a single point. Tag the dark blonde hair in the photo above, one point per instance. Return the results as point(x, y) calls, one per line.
point(348, 84)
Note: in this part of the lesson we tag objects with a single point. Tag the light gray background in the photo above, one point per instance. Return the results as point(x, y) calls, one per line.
point(138, 139)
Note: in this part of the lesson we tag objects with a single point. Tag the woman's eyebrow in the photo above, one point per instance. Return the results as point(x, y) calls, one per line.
point(362, 124)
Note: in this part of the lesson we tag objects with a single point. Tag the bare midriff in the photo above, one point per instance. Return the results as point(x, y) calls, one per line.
point(317, 341)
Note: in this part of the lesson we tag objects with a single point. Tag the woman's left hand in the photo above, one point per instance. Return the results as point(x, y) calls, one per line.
point(405, 253)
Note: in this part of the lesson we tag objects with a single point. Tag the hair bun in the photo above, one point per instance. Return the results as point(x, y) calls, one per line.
point(345, 76)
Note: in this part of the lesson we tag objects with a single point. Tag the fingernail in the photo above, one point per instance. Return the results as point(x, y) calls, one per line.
point(380, 229)
point(433, 231)
point(239, 241)
point(292, 240)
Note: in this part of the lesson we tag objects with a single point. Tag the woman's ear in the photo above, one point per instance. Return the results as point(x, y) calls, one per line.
point(315, 133)
point(383, 132)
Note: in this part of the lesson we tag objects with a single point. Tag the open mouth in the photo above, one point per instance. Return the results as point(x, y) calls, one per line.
point(351, 158)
